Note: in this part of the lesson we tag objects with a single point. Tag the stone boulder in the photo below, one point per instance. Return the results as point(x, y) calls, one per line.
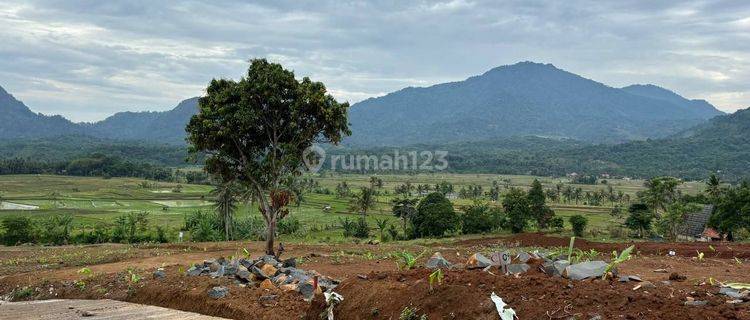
point(437, 261)
point(218, 292)
point(478, 261)
point(585, 270)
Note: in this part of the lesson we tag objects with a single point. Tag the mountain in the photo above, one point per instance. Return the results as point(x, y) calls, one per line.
point(523, 99)
point(162, 127)
point(17, 121)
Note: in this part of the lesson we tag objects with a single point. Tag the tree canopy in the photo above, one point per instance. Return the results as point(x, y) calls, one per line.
point(255, 132)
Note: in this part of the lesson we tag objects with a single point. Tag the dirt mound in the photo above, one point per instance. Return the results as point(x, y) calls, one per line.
point(465, 295)
point(726, 250)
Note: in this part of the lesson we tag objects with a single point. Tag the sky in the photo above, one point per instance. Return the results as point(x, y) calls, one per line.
point(88, 59)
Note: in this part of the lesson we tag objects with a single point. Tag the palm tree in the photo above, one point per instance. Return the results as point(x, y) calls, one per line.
point(404, 209)
point(226, 205)
point(713, 187)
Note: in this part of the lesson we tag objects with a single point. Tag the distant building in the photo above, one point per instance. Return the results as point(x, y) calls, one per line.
point(695, 229)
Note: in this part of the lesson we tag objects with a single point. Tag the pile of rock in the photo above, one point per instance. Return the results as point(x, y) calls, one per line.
point(266, 272)
point(523, 262)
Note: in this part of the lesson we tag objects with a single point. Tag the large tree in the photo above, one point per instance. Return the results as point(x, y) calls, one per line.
point(255, 131)
point(660, 193)
point(537, 203)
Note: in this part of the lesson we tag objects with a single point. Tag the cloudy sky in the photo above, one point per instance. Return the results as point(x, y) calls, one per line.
point(89, 59)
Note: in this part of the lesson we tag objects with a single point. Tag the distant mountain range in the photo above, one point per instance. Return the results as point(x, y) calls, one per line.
point(517, 100)
point(17, 122)
point(524, 99)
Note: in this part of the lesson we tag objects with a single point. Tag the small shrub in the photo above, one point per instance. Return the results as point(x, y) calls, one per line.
point(348, 226)
point(480, 218)
point(288, 225)
point(557, 224)
point(578, 223)
point(361, 229)
point(18, 230)
point(411, 314)
point(251, 228)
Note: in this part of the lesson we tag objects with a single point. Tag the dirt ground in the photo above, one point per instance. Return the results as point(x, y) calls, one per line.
point(373, 288)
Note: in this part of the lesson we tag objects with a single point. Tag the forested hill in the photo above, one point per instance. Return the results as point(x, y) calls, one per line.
point(722, 146)
point(17, 121)
point(523, 99)
point(159, 127)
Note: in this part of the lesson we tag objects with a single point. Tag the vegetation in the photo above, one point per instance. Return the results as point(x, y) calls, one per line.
point(578, 223)
point(255, 132)
point(435, 216)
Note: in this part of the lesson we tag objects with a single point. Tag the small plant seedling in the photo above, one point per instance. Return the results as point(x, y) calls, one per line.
point(737, 260)
point(624, 256)
point(408, 260)
point(700, 256)
point(134, 277)
point(712, 248)
point(84, 271)
point(436, 277)
point(247, 253)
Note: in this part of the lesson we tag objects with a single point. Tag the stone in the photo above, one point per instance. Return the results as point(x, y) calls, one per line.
point(194, 271)
point(674, 276)
point(258, 273)
point(268, 259)
point(518, 268)
point(624, 279)
point(281, 278)
point(269, 271)
point(326, 283)
point(247, 263)
point(289, 263)
point(159, 274)
point(524, 257)
point(560, 266)
point(478, 261)
point(732, 293)
point(243, 274)
point(585, 270)
point(437, 261)
point(267, 284)
point(696, 303)
point(645, 285)
point(218, 292)
point(288, 287)
point(635, 278)
point(307, 290)
point(218, 273)
point(661, 271)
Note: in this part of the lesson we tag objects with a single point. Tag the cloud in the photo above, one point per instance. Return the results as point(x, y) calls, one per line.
point(88, 59)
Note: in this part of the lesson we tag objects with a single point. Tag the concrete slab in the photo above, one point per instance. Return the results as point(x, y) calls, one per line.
point(91, 309)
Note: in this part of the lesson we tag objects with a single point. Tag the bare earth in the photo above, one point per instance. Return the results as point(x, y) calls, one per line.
point(373, 288)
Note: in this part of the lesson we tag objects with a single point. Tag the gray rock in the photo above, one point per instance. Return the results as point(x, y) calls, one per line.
point(244, 275)
point(478, 261)
point(518, 268)
point(624, 279)
point(596, 317)
point(630, 278)
point(194, 271)
point(258, 273)
point(696, 303)
point(646, 285)
point(554, 268)
point(524, 257)
point(437, 261)
point(307, 290)
point(289, 263)
point(732, 293)
point(585, 270)
point(218, 273)
point(159, 274)
point(247, 263)
point(218, 292)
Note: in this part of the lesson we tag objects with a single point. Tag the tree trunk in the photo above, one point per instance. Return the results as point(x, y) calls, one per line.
point(270, 236)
